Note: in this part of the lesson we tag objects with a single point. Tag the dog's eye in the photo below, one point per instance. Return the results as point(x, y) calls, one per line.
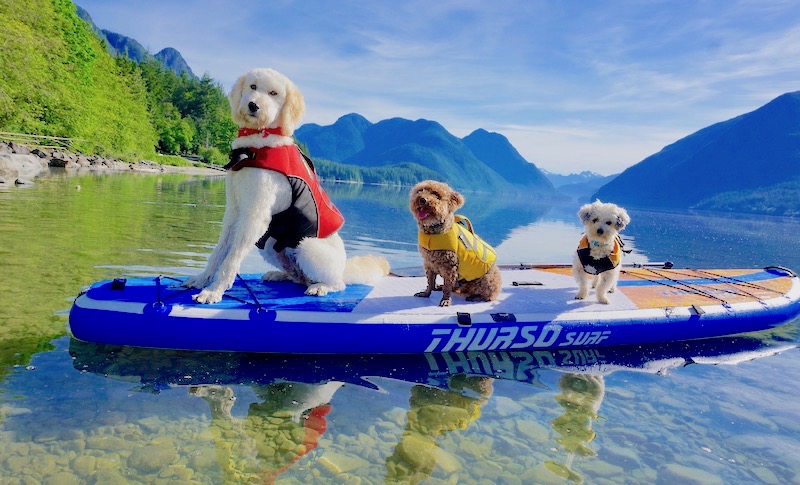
point(273, 93)
point(608, 223)
point(594, 221)
point(253, 87)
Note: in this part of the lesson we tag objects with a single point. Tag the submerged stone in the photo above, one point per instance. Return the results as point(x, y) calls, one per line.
point(151, 458)
point(84, 465)
point(533, 430)
point(674, 473)
point(340, 463)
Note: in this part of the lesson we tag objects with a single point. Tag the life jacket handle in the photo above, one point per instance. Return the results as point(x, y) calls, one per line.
point(464, 221)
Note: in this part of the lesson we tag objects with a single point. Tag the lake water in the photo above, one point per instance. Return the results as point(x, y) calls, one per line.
point(717, 411)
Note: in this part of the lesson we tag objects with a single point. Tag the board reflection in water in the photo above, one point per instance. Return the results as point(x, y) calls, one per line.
point(296, 395)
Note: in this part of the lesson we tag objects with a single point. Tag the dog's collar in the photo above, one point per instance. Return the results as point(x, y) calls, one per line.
point(598, 244)
point(265, 132)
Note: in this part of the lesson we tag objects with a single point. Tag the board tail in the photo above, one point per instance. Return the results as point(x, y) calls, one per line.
point(365, 270)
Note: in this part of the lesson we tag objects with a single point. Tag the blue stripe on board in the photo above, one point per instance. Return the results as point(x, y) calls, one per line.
point(654, 279)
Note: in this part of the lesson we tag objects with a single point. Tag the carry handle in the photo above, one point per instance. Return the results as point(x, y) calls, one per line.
point(460, 218)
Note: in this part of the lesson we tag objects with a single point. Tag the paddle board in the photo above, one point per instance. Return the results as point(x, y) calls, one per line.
point(536, 310)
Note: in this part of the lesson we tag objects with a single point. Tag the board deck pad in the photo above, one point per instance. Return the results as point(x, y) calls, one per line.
point(554, 291)
point(556, 288)
point(280, 295)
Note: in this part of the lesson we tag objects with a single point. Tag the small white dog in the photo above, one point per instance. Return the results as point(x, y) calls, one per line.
point(274, 200)
point(599, 253)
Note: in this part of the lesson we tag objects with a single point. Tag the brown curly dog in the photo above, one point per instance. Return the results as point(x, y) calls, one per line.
point(449, 248)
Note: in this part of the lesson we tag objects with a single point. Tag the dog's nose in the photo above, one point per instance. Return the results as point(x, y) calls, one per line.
point(600, 231)
point(423, 200)
point(252, 107)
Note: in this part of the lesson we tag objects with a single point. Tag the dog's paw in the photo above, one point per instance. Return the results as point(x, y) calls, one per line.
point(445, 302)
point(275, 276)
point(423, 294)
point(602, 299)
point(317, 289)
point(581, 295)
point(208, 296)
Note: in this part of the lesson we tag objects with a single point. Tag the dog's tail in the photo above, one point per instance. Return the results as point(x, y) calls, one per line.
point(365, 270)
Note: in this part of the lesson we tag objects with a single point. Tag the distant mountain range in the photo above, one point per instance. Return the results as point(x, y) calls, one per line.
point(750, 163)
point(578, 186)
point(560, 180)
point(481, 161)
point(121, 45)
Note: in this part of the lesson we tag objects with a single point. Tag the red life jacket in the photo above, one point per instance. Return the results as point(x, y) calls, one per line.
point(312, 214)
point(314, 425)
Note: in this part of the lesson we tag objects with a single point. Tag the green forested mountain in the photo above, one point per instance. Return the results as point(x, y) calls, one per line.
point(402, 152)
point(59, 79)
point(122, 45)
point(174, 61)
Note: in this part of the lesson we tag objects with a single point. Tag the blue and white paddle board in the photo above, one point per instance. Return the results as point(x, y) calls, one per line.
point(537, 309)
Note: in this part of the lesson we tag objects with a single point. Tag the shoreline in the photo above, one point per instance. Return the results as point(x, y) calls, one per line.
point(19, 165)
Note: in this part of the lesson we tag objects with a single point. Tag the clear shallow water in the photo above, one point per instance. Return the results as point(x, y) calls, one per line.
point(72, 412)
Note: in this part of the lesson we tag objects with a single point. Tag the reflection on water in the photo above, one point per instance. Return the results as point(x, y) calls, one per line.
point(581, 396)
point(72, 412)
point(443, 416)
point(432, 414)
point(284, 426)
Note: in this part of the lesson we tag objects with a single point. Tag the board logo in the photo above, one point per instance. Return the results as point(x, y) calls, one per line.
point(514, 338)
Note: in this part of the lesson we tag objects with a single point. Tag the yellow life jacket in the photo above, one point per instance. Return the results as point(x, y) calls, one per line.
point(475, 257)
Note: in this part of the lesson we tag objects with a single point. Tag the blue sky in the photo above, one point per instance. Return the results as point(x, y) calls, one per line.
point(574, 85)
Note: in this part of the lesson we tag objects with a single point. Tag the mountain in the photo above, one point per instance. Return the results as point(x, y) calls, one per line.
point(738, 160)
point(336, 142)
point(481, 162)
point(494, 150)
point(84, 15)
point(174, 61)
point(121, 45)
point(59, 80)
point(579, 186)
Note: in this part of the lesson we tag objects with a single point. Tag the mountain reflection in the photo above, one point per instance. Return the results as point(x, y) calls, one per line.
point(388, 216)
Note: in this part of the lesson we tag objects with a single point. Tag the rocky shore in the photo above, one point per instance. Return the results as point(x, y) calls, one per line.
point(20, 165)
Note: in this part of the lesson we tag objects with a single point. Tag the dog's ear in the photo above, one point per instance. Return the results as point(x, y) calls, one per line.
point(623, 219)
point(235, 96)
point(456, 201)
point(292, 110)
point(585, 213)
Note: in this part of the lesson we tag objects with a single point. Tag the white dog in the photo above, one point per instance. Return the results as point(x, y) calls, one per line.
point(600, 251)
point(273, 200)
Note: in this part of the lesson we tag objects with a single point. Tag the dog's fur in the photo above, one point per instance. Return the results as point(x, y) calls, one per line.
point(602, 222)
point(264, 98)
point(434, 205)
